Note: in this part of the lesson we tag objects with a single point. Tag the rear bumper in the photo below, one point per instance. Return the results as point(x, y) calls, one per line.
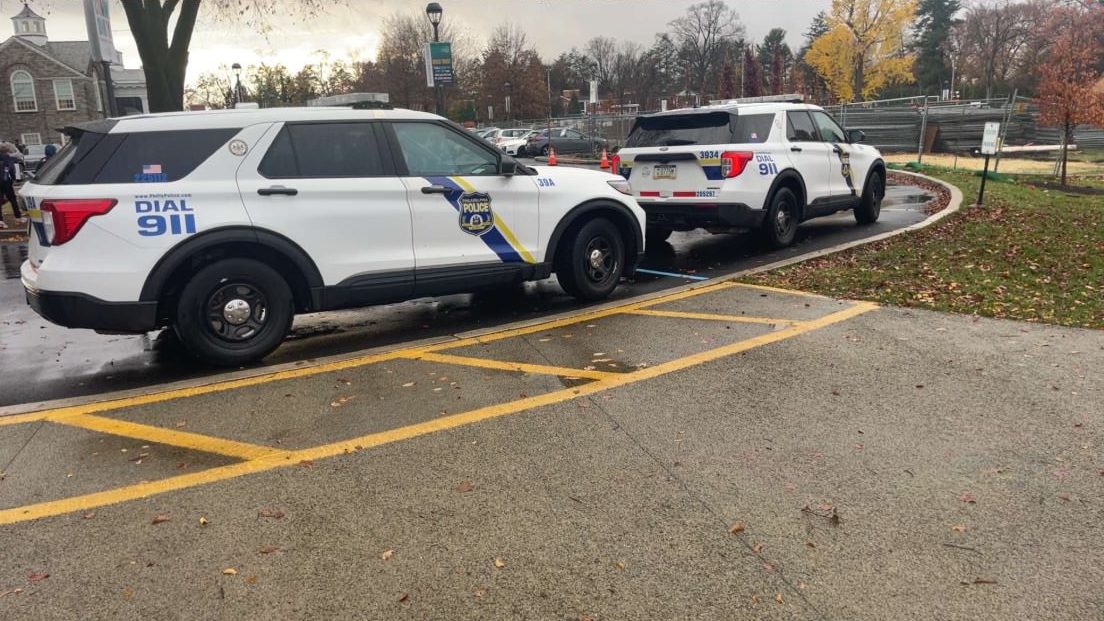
point(702, 215)
point(79, 310)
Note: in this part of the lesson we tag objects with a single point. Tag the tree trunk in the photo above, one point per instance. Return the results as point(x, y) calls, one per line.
point(164, 63)
point(1067, 139)
point(859, 81)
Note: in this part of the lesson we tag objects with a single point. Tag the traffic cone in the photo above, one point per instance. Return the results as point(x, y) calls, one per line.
point(604, 164)
point(551, 156)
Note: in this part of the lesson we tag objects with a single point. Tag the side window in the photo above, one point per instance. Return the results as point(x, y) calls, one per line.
point(574, 135)
point(324, 150)
point(800, 128)
point(433, 150)
point(829, 130)
point(152, 157)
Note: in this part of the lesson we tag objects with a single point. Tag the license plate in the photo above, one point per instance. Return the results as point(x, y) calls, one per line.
point(665, 172)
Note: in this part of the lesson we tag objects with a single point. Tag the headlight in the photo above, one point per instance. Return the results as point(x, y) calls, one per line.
point(621, 185)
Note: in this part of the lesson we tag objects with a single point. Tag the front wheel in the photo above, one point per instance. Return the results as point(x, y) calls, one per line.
point(233, 312)
point(590, 262)
point(780, 225)
point(870, 207)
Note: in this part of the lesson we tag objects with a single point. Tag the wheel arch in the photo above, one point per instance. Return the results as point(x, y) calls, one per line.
point(186, 258)
point(793, 180)
point(619, 213)
point(877, 166)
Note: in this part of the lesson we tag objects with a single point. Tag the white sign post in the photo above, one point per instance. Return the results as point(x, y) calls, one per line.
point(988, 147)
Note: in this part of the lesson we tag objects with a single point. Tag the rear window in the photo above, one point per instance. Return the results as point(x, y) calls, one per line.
point(700, 129)
point(142, 157)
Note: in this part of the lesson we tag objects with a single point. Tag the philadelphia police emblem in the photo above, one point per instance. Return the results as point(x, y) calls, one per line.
point(476, 216)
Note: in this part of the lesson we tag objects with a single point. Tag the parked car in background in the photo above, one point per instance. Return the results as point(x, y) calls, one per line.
point(35, 154)
point(565, 140)
point(487, 132)
point(513, 141)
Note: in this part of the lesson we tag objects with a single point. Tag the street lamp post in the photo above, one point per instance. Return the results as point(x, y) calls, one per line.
point(237, 83)
point(508, 86)
point(434, 12)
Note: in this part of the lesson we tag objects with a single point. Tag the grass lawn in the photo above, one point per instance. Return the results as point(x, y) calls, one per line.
point(1030, 253)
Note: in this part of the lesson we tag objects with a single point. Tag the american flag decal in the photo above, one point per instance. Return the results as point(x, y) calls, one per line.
point(151, 169)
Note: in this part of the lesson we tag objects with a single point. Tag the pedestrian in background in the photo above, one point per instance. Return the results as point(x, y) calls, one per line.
point(8, 160)
point(50, 151)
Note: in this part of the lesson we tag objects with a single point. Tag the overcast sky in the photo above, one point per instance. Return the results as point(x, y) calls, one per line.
point(553, 26)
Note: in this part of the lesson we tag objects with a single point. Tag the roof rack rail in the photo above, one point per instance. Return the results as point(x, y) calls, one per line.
point(792, 98)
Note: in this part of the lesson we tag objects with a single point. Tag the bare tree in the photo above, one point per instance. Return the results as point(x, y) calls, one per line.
point(701, 35)
point(602, 52)
point(994, 38)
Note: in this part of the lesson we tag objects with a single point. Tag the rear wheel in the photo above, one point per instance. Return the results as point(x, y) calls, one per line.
point(233, 312)
point(590, 262)
point(780, 226)
point(870, 207)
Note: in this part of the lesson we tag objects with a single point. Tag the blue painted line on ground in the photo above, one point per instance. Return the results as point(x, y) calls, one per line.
point(671, 274)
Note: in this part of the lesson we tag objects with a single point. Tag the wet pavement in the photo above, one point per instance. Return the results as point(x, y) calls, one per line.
point(43, 362)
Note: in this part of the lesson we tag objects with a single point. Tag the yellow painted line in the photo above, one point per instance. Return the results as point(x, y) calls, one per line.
point(502, 365)
point(58, 414)
point(713, 317)
point(262, 464)
point(194, 391)
point(162, 435)
point(804, 294)
point(577, 319)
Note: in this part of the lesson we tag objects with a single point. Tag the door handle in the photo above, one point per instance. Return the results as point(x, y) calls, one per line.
point(277, 190)
point(435, 189)
point(836, 149)
point(796, 149)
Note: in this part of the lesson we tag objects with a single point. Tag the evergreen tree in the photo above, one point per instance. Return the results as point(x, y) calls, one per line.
point(753, 81)
point(728, 80)
point(934, 20)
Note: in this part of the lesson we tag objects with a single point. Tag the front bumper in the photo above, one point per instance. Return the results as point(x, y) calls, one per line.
point(687, 216)
point(79, 310)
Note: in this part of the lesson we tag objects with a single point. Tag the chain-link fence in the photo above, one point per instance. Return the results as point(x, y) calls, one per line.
point(909, 125)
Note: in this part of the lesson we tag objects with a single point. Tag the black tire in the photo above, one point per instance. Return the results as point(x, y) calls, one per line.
point(216, 327)
point(590, 260)
point(657, 234)
point(780, 226)
point(870, 207)
point(520, 152)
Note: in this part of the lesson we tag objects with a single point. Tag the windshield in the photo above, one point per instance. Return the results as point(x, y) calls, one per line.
point(700, 129)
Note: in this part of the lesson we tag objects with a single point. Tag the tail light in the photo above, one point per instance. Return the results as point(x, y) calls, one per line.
point(63, 219)
point(733, 163)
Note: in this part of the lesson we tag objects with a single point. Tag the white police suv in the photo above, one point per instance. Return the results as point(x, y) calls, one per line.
point(762, 166)
point(223, 225)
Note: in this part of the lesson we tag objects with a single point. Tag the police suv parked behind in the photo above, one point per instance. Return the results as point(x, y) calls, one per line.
point(760, 166)
point(223, 225)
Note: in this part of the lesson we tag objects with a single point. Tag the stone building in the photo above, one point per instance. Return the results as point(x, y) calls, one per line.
point(46, 85)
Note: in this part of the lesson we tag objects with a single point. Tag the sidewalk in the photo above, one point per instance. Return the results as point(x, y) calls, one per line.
point(727, 454)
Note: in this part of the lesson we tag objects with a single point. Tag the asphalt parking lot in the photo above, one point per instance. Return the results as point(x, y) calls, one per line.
point(721, 452)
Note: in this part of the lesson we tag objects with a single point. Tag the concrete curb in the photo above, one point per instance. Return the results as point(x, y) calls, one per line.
point(954, 205)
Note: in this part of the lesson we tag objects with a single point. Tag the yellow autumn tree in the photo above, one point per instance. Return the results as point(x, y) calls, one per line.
point(864, 48)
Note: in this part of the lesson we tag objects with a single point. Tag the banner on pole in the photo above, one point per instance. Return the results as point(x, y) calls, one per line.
point(438, 58)
point(97, 17)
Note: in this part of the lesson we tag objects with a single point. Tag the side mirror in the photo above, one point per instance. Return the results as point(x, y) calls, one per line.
point(507, 167)
point(855, 135)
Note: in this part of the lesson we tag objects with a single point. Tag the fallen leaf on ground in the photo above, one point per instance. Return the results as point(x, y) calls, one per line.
point(737, 527)
point(499, 563)
point(306, 463)
point(89, 515)
point(620, 565)
point(37, 577)
point(336, 403)
point(387, 554)
point(479, 592)
point(229, 571)
point(161, 518)
point(203, 521)
point(778, 597)
point(269, 549)
point(757, 548)
point(1064, 496)
point(251, 579)
point(128, 593)
point(465, 487)
point(14, 591)
point(270, 513)
point(959, 528)
point(403, 597)
point(968, 498)
point(408, 384)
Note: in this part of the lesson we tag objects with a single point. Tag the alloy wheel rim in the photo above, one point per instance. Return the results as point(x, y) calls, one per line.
point(236, 312)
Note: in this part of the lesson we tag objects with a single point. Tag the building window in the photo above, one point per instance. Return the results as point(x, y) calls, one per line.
point(23, 92)
point(63, 95)
point(30, 139)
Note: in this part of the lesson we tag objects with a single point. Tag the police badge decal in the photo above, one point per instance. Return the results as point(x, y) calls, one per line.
point(476, 217)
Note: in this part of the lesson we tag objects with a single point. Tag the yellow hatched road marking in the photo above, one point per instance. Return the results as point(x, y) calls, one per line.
point(278, 460)
point(162, 435)
point(712, 317)
point(804, 294)
point(502, 365)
